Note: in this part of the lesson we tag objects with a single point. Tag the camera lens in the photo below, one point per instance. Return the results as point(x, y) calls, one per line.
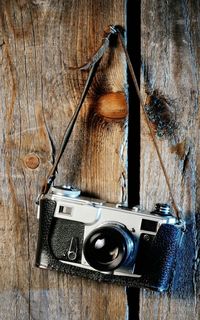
point(109, 247)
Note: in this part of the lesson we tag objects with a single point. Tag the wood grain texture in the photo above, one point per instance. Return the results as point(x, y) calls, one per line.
point(170, 66)
point(39, 41)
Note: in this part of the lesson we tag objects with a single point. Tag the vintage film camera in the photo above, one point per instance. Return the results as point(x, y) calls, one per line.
point(106, 242)
point(103, 241)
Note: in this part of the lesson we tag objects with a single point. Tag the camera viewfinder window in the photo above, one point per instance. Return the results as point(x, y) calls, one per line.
point(148, 225)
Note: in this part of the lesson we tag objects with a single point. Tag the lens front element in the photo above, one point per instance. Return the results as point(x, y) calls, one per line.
point(109, 247)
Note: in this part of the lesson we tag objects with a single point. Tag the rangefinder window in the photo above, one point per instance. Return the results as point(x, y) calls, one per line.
point(66, 210)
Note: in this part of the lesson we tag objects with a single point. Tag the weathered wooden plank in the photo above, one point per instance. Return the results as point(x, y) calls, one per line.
point(170, 61)
point(39, 41)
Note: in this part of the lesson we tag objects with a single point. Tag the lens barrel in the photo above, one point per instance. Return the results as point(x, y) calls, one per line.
point(109, 247)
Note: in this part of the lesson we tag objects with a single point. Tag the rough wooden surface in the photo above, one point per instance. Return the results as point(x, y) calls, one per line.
point(39, 41)
point(170, 66)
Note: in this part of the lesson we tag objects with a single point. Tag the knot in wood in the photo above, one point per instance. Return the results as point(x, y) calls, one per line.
point(31, 161)
point(112, 106)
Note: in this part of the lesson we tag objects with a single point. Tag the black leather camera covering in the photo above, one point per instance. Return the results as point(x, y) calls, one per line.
point(61, 233)
point(156, 264)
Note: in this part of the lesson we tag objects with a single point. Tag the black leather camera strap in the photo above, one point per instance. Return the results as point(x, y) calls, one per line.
point(113, 30)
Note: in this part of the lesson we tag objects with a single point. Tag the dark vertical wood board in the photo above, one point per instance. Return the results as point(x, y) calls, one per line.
point(39, 41)
point(170, 66)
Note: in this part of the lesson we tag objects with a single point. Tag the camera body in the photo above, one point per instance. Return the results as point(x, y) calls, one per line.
point(107, 242)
